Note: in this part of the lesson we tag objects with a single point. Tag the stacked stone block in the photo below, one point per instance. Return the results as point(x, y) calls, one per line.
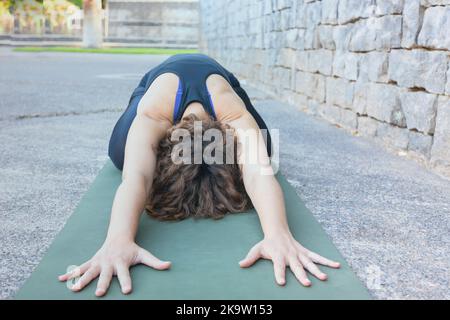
point(380, 68)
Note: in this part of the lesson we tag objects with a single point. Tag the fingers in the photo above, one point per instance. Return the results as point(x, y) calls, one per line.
point(323, 261)
point(299, 272)
point(253, 255)
point(279, 268)
point(87, 277)
point(150, 260)
point(123, 273)
point(77, 272)
point(104, 281)
point(311, 267)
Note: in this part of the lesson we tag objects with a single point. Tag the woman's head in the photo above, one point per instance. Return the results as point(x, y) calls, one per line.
point(195, 188)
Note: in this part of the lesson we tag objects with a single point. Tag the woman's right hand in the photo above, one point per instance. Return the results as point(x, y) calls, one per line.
point(114, 258)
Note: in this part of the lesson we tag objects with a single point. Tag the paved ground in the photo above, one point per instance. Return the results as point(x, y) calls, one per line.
point(387, 215)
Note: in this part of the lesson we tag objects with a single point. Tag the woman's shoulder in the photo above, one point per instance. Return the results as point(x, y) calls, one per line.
point(159, 99)
point(228, 105)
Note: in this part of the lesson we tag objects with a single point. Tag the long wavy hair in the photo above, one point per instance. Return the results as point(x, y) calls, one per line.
point(201, 190)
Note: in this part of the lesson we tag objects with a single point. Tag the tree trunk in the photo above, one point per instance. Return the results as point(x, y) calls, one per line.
point(92, 24)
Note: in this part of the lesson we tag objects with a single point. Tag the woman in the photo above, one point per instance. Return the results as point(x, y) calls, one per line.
point(176, 95)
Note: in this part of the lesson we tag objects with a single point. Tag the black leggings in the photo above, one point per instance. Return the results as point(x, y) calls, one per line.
point(116, 150)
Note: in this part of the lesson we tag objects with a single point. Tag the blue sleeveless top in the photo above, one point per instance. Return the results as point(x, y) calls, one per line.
point(192, 70)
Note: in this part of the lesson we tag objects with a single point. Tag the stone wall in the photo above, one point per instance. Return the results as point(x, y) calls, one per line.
point(379, 68)
point(167, 23)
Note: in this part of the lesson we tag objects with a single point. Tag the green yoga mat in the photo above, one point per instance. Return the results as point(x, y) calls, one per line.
point(204, 255)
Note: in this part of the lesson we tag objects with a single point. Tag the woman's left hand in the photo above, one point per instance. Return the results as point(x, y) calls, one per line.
point(285, 251)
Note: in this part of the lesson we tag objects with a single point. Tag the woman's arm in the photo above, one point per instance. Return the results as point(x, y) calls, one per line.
point(119, 250)
point(259, 178)
point(137, 176)
point(266, 194)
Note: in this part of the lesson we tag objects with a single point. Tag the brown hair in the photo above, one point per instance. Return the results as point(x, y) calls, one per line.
point(202, 190)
